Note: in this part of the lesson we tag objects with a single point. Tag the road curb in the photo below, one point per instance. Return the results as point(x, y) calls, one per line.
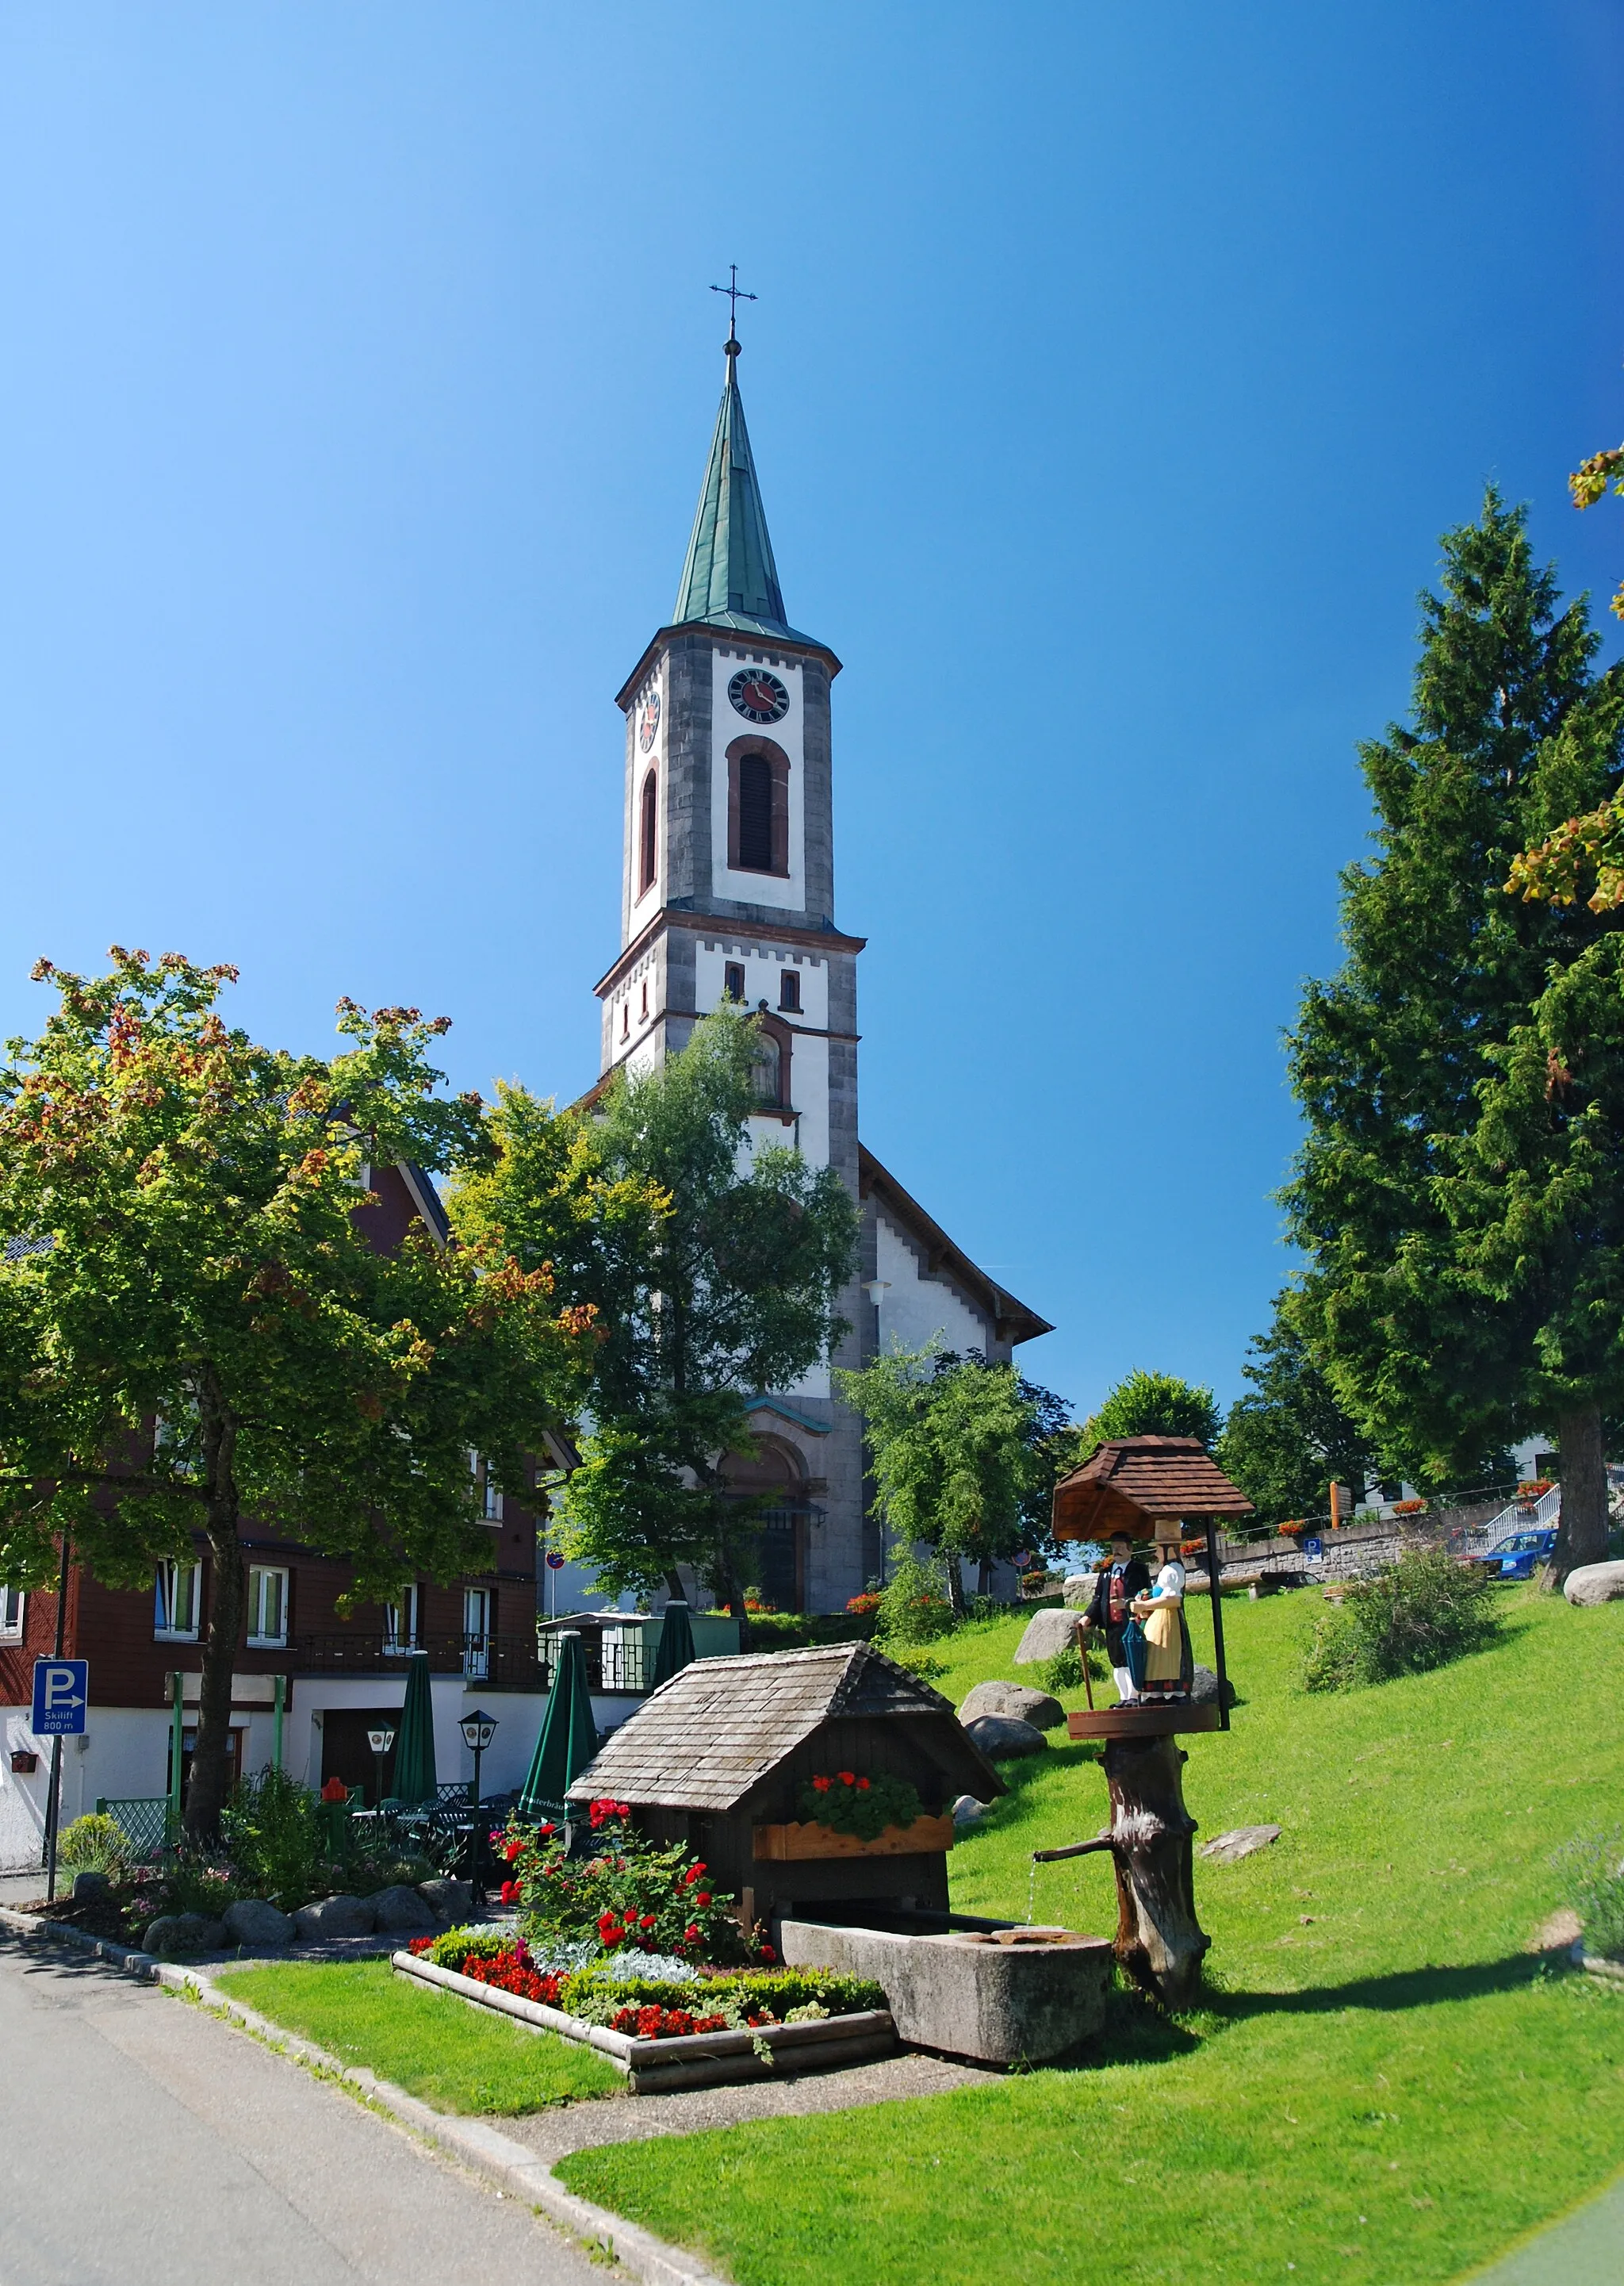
point(501, 2162)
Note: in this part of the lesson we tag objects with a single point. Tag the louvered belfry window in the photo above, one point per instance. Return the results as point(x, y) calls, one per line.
point(755, 814)
point(648, 835)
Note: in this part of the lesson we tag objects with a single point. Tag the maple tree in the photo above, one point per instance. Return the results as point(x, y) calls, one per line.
point(195, 1329)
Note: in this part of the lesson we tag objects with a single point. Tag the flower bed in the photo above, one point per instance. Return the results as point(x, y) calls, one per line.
point(697, 2027)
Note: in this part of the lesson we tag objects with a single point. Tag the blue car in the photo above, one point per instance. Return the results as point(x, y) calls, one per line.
point(1519, 1557)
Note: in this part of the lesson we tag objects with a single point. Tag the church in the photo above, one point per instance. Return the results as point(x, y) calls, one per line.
point(727, 893)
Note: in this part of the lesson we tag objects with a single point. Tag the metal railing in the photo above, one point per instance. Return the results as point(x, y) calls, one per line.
point(507, 1662)
point(1518, 1515)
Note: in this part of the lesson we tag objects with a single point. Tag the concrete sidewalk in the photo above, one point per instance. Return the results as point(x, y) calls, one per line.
point(152, 2147)
point(1586, 2249)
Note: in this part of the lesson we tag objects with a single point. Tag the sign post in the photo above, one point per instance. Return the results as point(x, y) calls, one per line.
point(61, 1695)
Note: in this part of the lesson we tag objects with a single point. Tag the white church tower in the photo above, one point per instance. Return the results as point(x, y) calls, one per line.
point(727, 892)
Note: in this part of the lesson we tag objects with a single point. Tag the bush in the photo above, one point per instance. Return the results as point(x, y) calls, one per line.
point(1065, 1671)
point(761, 1996)
point(1417, 1614)
point(913, 1605)
point(628, 1893)
point(95, 1844)
point(1591, 1870)
point(271, 1831)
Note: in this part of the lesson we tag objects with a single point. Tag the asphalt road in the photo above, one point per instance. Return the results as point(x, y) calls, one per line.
point(144, 2143)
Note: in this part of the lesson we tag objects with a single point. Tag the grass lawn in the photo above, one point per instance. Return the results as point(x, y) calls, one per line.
point(1385, 2083)
point(434, 2046)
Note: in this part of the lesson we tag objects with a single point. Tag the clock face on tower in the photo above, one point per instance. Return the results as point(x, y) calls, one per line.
point(756, 694)
point(648, 720)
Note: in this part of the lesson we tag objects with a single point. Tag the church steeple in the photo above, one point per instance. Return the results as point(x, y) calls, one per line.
point(729, 579)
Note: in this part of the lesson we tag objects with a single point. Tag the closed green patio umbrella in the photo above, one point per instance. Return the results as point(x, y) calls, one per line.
point(676, 1646)
point(415, 1777)
point(569, 1737)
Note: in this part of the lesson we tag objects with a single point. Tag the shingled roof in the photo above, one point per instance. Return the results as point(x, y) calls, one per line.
point(1127, 1481)
point(705, 1739)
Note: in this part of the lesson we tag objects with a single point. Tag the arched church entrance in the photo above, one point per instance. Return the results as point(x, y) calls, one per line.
point(773, 1475)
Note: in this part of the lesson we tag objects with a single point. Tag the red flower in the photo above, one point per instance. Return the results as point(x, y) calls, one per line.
point(767, 1953)
point(846, 1778)
point(691, 1935)
point(703, 1897)
point(511, 1893)
point(862, 1786)
point(543, 1832)
point(823, 1785)
point(648, 1920)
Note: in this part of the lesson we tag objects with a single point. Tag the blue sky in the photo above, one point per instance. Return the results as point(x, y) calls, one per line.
point(1114, 369)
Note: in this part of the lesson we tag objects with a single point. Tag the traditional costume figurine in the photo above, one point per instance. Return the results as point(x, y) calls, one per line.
point(1115, 1588)
point(1169, 1664)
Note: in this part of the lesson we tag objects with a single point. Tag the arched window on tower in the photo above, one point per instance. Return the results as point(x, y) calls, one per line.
point(758, 807)
point(755, 814)
point(648, 833)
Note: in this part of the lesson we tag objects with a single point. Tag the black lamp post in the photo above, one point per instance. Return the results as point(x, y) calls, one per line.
point(478, 1729)
point(381, 1737)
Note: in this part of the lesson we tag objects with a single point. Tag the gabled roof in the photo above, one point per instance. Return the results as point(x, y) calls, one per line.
point(1013, 1321)
point(705, 1739)
point(729, 579)
point(1128, 1481)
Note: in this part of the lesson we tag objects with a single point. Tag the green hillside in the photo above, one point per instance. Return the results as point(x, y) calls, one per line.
point(1388, 2083)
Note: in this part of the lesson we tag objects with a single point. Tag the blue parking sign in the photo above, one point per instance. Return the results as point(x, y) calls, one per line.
point(61, 1693)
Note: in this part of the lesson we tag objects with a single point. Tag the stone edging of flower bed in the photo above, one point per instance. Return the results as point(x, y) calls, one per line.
point(509, 2165)
point(687, 2059)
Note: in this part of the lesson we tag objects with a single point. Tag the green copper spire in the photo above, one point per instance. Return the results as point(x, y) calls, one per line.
point(730, 580)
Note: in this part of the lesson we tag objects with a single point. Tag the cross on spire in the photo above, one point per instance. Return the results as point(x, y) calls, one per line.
point(735, 295)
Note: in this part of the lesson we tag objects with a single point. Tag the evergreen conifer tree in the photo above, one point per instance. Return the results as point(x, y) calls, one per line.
point(1452, 1194)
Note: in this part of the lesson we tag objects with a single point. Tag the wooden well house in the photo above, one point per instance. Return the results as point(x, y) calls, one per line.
point(718, 1757)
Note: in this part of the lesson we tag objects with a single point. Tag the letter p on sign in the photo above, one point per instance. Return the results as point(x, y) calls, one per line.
point(61, 1694)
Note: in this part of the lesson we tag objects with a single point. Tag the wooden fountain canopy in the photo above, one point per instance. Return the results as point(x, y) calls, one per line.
point(1137, 1484)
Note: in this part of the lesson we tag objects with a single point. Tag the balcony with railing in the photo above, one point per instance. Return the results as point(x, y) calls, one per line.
point(505, 1662)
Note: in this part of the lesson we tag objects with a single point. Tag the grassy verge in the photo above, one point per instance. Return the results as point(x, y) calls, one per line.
point(434, 2046)
point(1385, 2082)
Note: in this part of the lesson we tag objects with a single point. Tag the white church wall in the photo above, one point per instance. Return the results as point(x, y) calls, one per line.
point(914, 1307)
point(763, 968)
point(639, 905)
point(757, 888)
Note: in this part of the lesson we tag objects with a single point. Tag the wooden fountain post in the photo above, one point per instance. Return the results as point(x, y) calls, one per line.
point(1151, 1840)
point(1160, 1942)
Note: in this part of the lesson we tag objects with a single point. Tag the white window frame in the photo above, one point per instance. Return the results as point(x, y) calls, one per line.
point(13, 1603)
point(489, 1498)
point(400, 1641)
point(476, 1634)
point(260, 1637)
point(177, 1589)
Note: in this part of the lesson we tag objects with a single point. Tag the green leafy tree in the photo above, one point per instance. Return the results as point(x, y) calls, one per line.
point(1153, 1405)
point(1289, 1439)
point(1454, 1196)
point(714, 1273)
point(959, 1452)
point(194, 1329)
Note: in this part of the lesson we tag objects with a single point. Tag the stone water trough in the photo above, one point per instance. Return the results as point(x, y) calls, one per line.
point(991, 1992)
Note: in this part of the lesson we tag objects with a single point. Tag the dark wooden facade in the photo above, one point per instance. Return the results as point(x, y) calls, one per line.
point(726, 1746)
point(130, 1665)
